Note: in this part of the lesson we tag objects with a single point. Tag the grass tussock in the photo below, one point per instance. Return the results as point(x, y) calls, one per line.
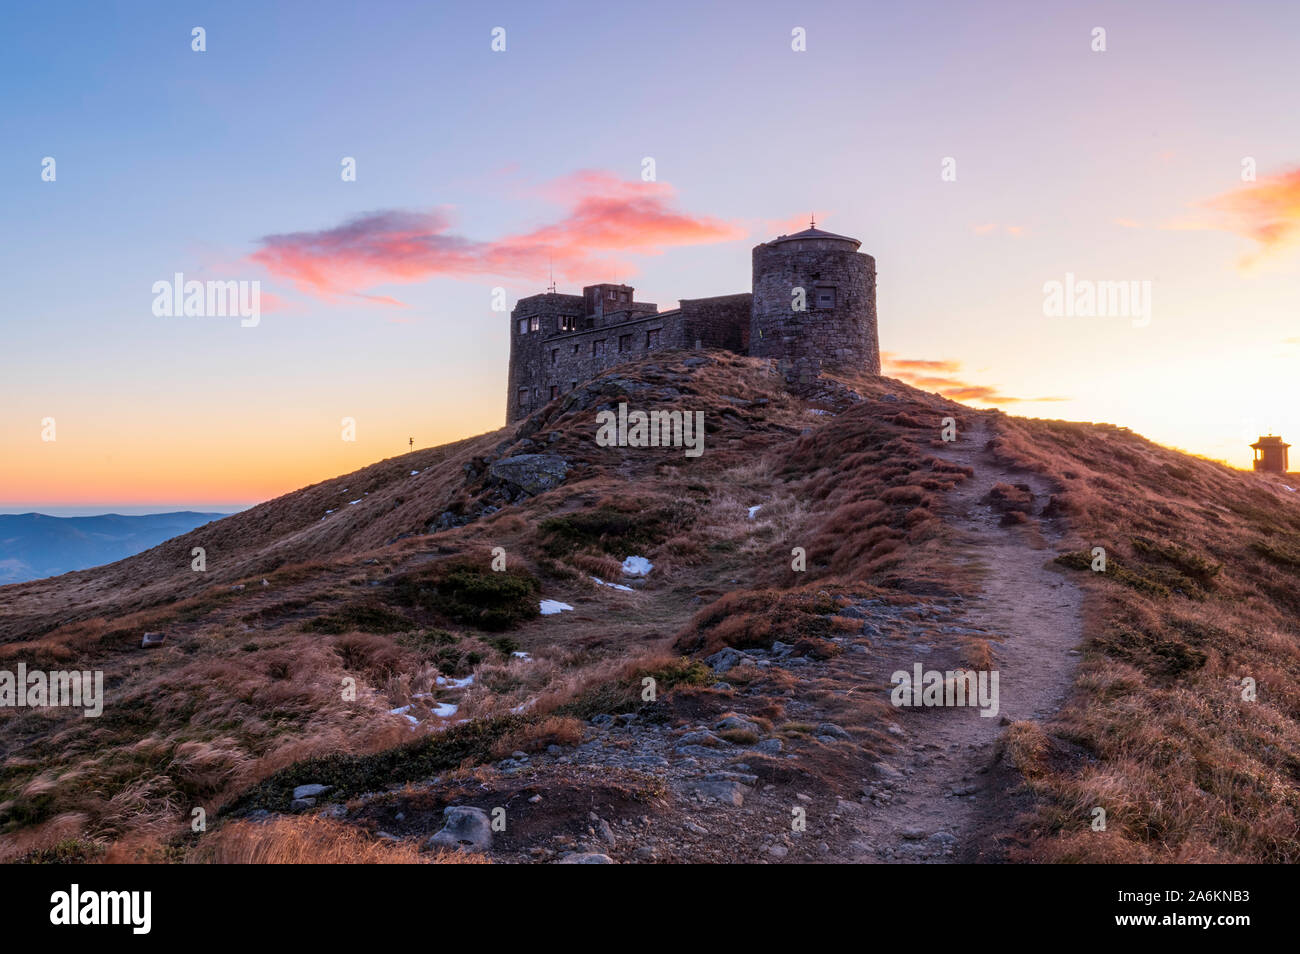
point(311, 840)
point(469, 591)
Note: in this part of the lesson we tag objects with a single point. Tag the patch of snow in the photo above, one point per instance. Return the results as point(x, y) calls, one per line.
point(327, 513)
point(551, 607)
point(524, 708)
point(613, 586)
point(351, 502)
point(401, 710)
point(753, 510)
point(455, 683)
point(637, 566)
point(1285, 487)
point(414, 472)
point(817, 410)
point(445, 710)
point(520, 654)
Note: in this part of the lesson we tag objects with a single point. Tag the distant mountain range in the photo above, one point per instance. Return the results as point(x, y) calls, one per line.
point(34, 545)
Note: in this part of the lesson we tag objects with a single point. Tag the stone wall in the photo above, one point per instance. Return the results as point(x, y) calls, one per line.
point(548, 363)
point(842, 334)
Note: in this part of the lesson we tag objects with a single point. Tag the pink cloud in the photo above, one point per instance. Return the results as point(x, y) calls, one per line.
point(1267, 212)
point(606, 218)
point(945, 377)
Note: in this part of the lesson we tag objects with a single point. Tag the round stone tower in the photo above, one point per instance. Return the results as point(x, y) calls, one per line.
point(814, 304)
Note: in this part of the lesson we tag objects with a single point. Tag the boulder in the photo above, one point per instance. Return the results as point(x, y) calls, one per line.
point(722, 790)
point(725, 659)
point(465, 829)
point(310, 791)
point(530, 474)
point(152, 639)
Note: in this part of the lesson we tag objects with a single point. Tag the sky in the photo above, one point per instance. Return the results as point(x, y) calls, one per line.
point(980, 152)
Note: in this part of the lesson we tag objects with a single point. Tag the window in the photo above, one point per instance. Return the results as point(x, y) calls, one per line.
point(613, 295)
point(534, 323)
point(572, 385)
point(523, 397)
point(624, 342)
point(825, 296)
point(652, 338)
point(555, 391)
point(523, 326)
point(624, 296)
point(575, 349)
point(568, 322)
point(555, 355)
point(597, 348)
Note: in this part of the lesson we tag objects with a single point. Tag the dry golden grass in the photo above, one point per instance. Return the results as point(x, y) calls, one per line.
point(311, 840)
point(1185, 767)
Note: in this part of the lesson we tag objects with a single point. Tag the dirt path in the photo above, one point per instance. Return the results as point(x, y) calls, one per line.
point(939, 795)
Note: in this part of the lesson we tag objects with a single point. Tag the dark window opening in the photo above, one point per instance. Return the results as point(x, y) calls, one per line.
point(825, 296)
point(523, 397)
point(555, 355)
point(555, 391)
point(624, 342)
point(652, 338)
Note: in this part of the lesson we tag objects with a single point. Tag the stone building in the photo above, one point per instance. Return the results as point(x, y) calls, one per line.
point(1270, 454)
point(813, 305)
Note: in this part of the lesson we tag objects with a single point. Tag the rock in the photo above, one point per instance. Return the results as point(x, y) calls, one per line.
point(446, 521)
point(744, 778)
point(725, 659)
point(310, 791)
point(735, 723)
point(606, 833)
point(781, 649)
point(466, 829)
point(698, 751)
point(301, 804)
point(585, 858)
point(888, 771)
point(769, 746)
point(778, 851)
point(727, 792)
point(913, 834)
point(149, 640)
point(535, 799)
point(649, 761)
point(531, 474)
point(834, 731)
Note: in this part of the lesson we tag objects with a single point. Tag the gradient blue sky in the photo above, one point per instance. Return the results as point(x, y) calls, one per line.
point(169, 160)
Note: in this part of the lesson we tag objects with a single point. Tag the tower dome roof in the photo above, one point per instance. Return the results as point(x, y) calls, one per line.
point(815, 234)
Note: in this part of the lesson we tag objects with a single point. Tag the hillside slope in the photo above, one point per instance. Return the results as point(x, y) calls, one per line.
point(354, 634)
